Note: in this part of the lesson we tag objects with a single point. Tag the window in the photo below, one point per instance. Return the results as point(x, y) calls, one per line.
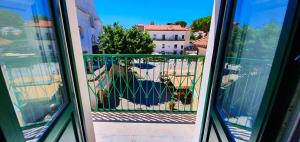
point(163, 37)
point(250, 50)
point(182, 37)
point(93, 39)
point(181, 46)
point(38, 98)
point(50, 47)
point(81, 32)
point(92, 22)
point(154, 36)
point(49, 36)
point(163, 45)
point(175, 46)
point(176, 37)
point(38, 36)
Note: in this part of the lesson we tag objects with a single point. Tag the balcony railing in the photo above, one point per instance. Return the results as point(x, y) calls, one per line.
point(167, 83)
point(168, 39)
point(243, 81)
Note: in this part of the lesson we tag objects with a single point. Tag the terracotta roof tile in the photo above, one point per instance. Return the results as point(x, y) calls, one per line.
point(5, 41)
point(201, 42)
point(42, 23)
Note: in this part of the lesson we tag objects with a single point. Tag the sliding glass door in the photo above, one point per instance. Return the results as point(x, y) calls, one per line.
point(36, 89)
point(252, 43)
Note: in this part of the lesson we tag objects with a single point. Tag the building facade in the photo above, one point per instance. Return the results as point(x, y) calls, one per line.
point(43, 38)
point(90, 25)
point(200, 46)
point(168, 39)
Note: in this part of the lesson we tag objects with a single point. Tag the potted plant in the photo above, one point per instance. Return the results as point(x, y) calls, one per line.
point(172, 105)
point(185, 95)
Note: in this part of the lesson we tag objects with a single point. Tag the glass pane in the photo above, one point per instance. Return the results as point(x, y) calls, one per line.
point(30, 57)
point(251, 46)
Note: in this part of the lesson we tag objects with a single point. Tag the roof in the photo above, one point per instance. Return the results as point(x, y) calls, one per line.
point(42, 23)
point(5, 41)
point(163, 27)
point(201, 42)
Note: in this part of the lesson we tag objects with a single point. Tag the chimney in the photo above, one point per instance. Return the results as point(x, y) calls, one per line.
point(140, 26)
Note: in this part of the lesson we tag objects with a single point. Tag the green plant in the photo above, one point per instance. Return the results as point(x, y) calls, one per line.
point(171, 105)
point(201, 24)
point(117, 40)
point(181, 23)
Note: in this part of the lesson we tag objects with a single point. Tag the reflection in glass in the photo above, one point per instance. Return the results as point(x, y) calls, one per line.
point(251, 46)
point(29, 55)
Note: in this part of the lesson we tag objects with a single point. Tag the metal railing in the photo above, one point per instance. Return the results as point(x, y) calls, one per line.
point(123, 82)
point(168, 39)
point(243, 85)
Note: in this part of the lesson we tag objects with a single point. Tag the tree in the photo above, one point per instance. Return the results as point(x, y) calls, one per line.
point(202, 24)
point(138, 42)
point(11, 20)
point(8, 18)
point(255, 43)
point(38, 18)
point(181, 23)
point(112, 41)
point(117, 40)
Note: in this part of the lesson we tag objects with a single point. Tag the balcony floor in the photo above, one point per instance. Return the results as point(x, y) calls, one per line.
point(143, 127)
point(143, 132)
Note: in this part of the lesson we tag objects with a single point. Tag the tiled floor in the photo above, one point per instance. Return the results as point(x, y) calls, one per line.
point(143, 132)
point(177, 118)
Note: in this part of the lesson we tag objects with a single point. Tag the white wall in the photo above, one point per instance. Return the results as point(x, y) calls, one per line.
point(86, 10)
point(80, 71)
point(170, 40)
point(203, 99)
point(169, 46)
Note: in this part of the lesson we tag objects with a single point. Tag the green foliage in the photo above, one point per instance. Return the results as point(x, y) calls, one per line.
point(193, 37)
point(138, 42)
point(171, 105)
point(38, 18)
point(11, 19)
point(117, 40)
point(255, 43)
point(181, 23)
point(201, 24)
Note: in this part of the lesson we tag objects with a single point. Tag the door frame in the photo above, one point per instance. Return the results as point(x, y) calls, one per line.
point(73, 40)
point(208, 69)
point(66, 13)
point(286, 94)
point(276, 73)
point(71, 112)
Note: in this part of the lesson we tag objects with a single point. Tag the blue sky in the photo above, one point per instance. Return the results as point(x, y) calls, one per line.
point(132, 12)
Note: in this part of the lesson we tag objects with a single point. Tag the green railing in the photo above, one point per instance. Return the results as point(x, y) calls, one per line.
point(243, 85)
point(123, 82)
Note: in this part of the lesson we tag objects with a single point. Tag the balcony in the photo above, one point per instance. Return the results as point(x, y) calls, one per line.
point(168, 39)
point(141, 96)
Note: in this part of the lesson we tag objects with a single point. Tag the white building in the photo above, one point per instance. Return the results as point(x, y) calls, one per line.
point(169, 39)
point(42, 36)
point(90, 25)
